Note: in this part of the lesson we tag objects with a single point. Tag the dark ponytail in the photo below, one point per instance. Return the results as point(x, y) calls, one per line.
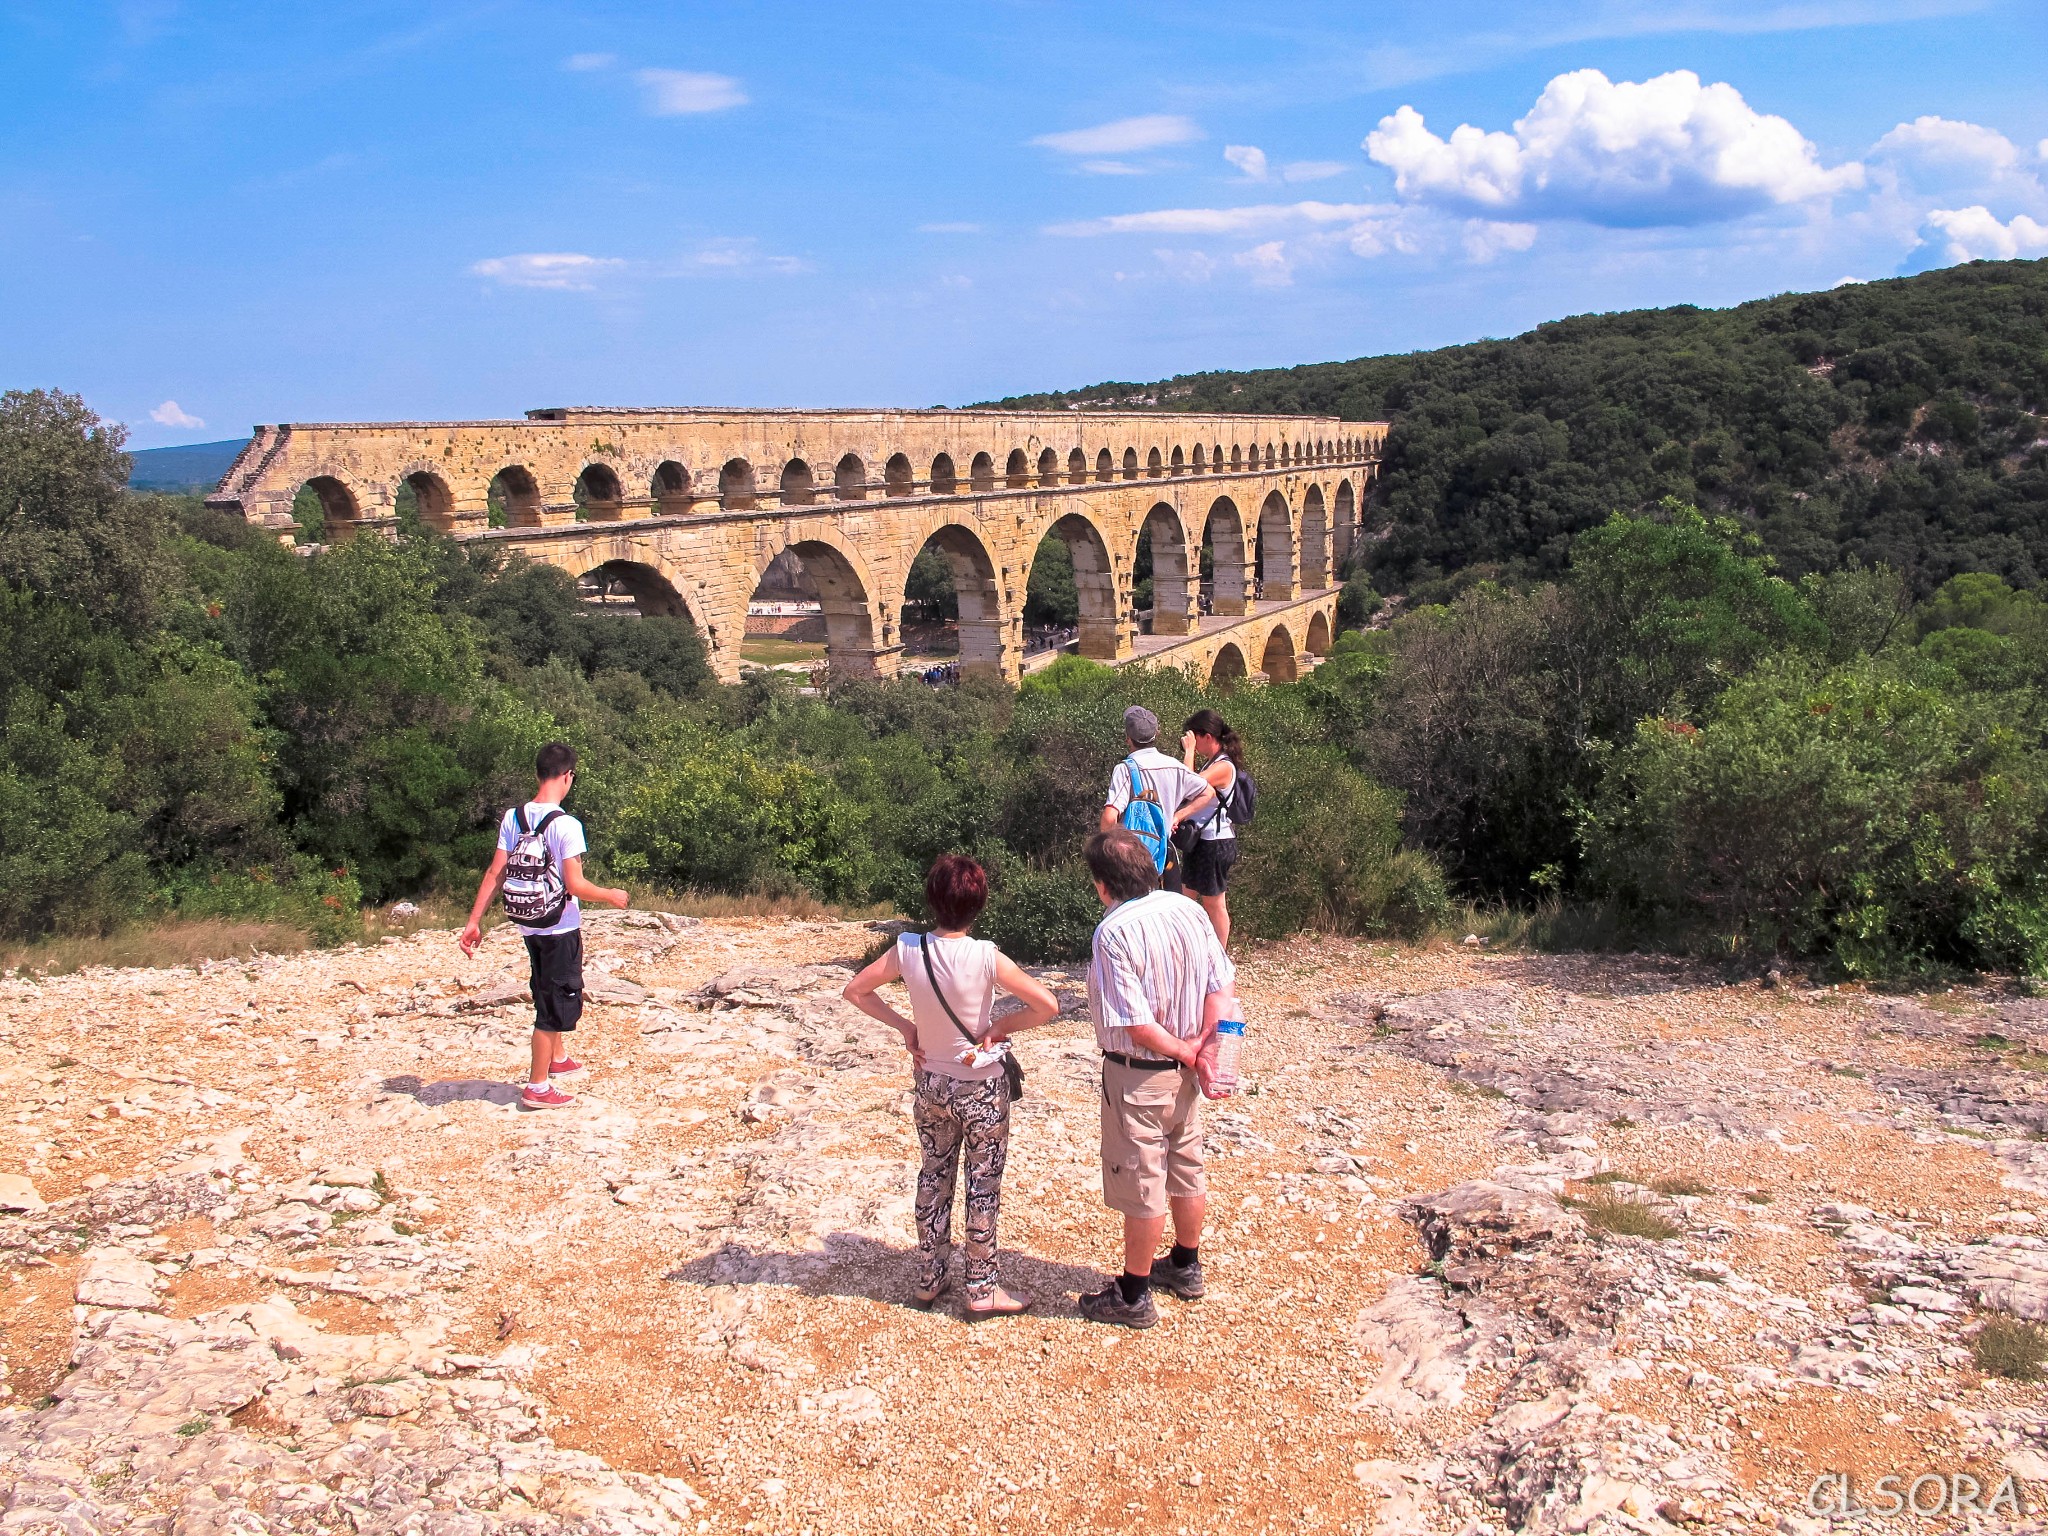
point(1206, 722)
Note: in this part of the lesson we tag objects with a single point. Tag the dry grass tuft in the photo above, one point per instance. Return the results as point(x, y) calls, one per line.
point(2007, 1347)
point(720, 904)
point(173, 942)
point(1679, 1184)
point(1609, 1210)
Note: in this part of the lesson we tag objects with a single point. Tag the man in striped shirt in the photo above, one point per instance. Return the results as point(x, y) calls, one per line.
point(1156, 984)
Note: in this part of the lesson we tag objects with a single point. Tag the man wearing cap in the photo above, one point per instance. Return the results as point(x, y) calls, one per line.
point(1181, 791)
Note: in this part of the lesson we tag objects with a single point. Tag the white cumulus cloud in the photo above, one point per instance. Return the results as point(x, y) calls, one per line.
point(1249, 159)
point(1125, 136)
point(171, 414)
point(1975, 234)
point(1668, 150)
point(680, 92)
point(1941, 142)
point(546, 269)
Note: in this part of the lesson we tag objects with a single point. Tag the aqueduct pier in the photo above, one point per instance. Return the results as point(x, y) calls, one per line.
point(687, 508)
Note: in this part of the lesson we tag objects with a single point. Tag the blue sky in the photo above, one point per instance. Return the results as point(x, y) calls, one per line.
point(214, 214)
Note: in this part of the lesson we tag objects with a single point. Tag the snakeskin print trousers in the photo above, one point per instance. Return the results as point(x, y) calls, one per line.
point(955, 1116)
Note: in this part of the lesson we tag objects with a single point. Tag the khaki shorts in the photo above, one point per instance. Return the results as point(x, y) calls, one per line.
point(1151, 1138)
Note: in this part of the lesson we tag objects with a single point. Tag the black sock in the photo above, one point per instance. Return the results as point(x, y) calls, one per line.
point(1183, 1257)
point(1133, 1286)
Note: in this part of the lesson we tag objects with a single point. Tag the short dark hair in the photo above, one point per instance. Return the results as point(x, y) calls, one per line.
point(1119, 861)
point(956, 889)
point(554, 760)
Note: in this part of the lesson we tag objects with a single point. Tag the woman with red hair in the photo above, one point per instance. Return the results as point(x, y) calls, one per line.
point(962, 1098)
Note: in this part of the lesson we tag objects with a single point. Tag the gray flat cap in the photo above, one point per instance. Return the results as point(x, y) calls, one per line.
point(1141, 725)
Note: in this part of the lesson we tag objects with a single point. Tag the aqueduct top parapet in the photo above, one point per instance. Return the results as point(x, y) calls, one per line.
point(686, 508)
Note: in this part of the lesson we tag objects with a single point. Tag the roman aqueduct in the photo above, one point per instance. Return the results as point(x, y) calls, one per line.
point(687, 508)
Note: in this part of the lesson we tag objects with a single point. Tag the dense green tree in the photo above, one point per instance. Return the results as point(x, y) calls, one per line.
point(69, 528)
point(1895, 423)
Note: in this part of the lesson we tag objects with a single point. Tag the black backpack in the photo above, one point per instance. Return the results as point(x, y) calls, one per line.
point(1244, 800)
point(533, 893)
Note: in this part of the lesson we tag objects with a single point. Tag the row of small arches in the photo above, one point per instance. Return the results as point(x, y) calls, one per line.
point(800, 485)
point(518, 501)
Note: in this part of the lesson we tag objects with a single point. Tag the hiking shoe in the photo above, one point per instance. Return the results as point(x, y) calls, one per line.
point(549, 1097)
point(1184, 1282)
point(568, 1066)
point(1108, 1306)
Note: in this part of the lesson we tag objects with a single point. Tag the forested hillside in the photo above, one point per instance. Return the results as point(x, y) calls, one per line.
point(1895, 423)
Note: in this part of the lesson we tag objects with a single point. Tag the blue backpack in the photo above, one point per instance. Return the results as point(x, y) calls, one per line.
point(1144, 817)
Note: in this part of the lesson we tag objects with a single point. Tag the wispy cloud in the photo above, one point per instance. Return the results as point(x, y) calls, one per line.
point(171, 414)
point(583, 63)
point(570, 270)
point(1269, 264)
point(1125, 136)
point(1224, 221)
point(742, 255)
point(949, 227)
point(682, 92)
point(1250, 161)
point(1252, 164)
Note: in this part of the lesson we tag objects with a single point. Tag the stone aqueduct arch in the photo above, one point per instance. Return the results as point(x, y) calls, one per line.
point(685, 509)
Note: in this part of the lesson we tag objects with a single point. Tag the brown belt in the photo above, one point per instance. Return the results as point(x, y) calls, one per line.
point(1141, 1063)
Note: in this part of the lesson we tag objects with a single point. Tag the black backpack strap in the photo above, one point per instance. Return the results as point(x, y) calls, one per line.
point(519, 820)
point(548, 820)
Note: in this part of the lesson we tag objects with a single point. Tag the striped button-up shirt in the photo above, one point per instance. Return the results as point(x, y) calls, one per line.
point(1155, 961)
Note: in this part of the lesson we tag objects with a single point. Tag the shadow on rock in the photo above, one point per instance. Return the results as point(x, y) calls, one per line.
point(853, 1265)
point(453, 1090)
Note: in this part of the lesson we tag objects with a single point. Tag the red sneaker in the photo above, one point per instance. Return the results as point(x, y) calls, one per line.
point(568, 1066)
point(549, 1097)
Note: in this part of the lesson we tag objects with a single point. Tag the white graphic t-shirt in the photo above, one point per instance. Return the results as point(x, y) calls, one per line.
point(565, 842)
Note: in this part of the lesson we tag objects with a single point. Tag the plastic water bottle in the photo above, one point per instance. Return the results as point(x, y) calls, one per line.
point(1229, 1053)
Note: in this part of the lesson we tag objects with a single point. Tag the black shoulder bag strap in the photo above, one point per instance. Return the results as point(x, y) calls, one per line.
point(1013, 1070)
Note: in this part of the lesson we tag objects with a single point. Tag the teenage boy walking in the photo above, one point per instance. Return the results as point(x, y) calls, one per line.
point(1148, 772)
point(543, 846)
point(1156, 982)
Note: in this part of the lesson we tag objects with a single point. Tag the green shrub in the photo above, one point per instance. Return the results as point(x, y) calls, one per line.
point(701, 811)
point(327, 903)
point(1039, 915)
point(1876, 811)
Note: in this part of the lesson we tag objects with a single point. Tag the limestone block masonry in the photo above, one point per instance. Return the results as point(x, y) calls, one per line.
point(686, 508)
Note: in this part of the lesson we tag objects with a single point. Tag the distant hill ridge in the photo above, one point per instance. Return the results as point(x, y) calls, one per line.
point(188, 467)
point(1897, 422)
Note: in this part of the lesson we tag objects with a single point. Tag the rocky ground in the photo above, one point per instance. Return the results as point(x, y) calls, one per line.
point(287, 1256)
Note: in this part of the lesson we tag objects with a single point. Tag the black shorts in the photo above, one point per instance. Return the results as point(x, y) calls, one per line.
point(1208, 866)
point(557, 979)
